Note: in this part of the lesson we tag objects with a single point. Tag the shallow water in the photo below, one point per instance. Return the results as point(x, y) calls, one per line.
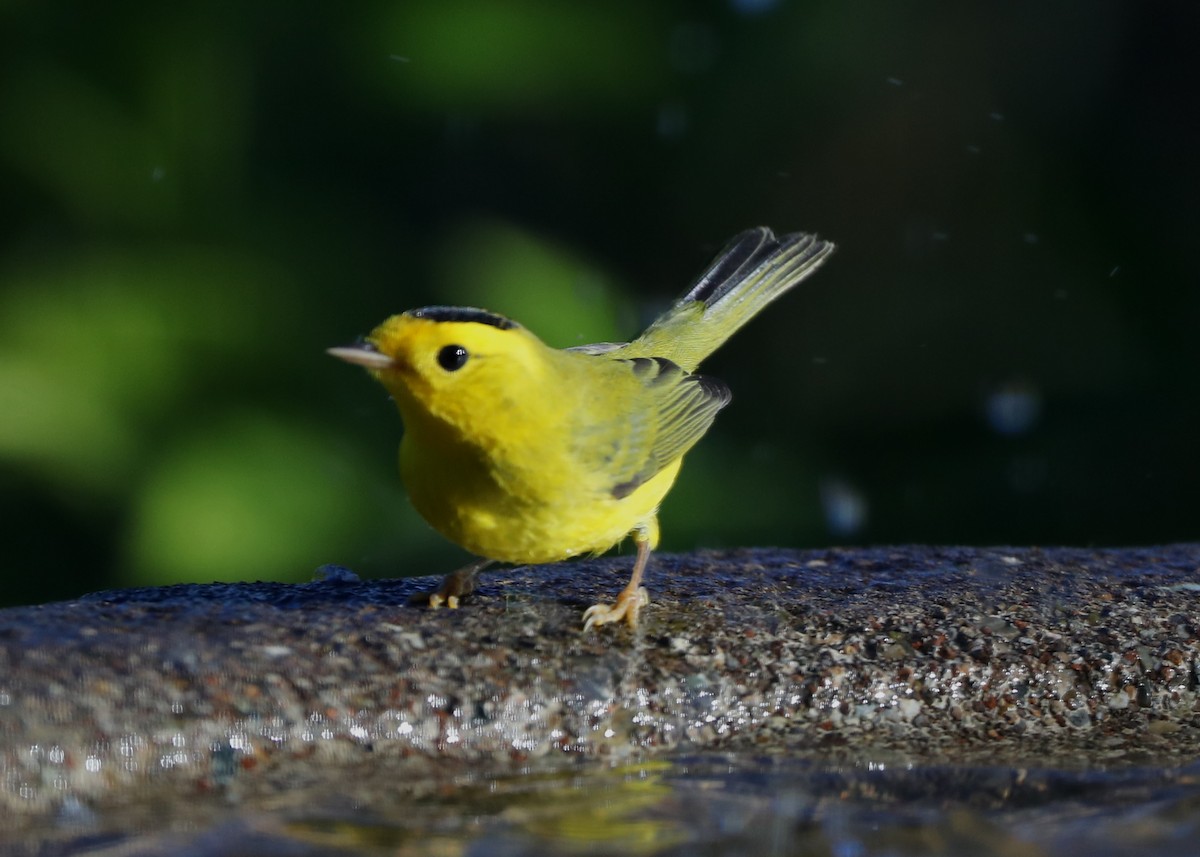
point(706, 805)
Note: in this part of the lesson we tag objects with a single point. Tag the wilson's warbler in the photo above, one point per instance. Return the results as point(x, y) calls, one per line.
point(524, 453)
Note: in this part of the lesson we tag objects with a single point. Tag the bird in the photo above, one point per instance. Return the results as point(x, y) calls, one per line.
point(526, 454)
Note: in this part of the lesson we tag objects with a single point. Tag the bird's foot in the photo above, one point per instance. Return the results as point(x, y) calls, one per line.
point(455, 585)
point(629, 602)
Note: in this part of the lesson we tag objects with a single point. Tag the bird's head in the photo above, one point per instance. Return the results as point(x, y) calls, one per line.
point(455, 363)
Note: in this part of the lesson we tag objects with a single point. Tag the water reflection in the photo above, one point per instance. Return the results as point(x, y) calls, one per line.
point(710, 804)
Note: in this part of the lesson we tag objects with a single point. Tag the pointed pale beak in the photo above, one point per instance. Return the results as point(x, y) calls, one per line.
point(363, 354)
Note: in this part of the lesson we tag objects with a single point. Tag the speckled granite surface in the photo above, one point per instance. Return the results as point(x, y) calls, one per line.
point(943, 655)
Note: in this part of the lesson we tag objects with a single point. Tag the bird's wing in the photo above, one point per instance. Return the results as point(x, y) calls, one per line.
point(599, 348)
point(669, 410)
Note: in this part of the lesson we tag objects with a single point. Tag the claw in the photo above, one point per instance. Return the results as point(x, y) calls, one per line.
point(437, 599)
point(629, 602)
point(457, 584)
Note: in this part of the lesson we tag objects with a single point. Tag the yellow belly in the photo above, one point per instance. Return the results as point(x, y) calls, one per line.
point(499, 517)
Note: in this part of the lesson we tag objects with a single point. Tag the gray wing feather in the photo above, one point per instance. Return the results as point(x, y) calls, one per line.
point(678, 407)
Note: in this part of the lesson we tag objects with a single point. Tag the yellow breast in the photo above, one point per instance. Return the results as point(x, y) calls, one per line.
point(491, 506)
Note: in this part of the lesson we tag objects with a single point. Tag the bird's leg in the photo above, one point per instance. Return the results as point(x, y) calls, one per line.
point(632, 598)
point(457, 584)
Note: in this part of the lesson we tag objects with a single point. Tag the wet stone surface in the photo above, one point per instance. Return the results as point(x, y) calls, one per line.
point(914, 655)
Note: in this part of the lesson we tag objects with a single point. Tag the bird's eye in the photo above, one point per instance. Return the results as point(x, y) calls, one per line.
point(452, 357)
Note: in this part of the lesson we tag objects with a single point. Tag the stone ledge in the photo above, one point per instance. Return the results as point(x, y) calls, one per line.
point(953, 655)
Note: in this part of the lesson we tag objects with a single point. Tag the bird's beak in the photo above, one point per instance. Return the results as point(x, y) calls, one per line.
point(363, 354)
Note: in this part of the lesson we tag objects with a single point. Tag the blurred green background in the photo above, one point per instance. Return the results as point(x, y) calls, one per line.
point(199, 198)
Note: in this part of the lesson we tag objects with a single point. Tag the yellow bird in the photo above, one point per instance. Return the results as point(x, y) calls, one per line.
point(523, 453)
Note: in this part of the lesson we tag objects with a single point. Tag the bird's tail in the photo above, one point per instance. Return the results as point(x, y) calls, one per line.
point(753, 270)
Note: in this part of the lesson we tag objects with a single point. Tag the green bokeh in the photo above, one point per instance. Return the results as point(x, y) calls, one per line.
point(252, 488)
point(199, 199)
point(535, 56)
point(100, 346)
point(563, 298)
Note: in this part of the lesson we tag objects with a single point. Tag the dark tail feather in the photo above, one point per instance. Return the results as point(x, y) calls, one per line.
point(755, 269)
point(741, 257)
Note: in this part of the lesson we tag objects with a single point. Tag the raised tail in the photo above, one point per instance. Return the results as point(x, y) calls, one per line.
point(753, 270)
